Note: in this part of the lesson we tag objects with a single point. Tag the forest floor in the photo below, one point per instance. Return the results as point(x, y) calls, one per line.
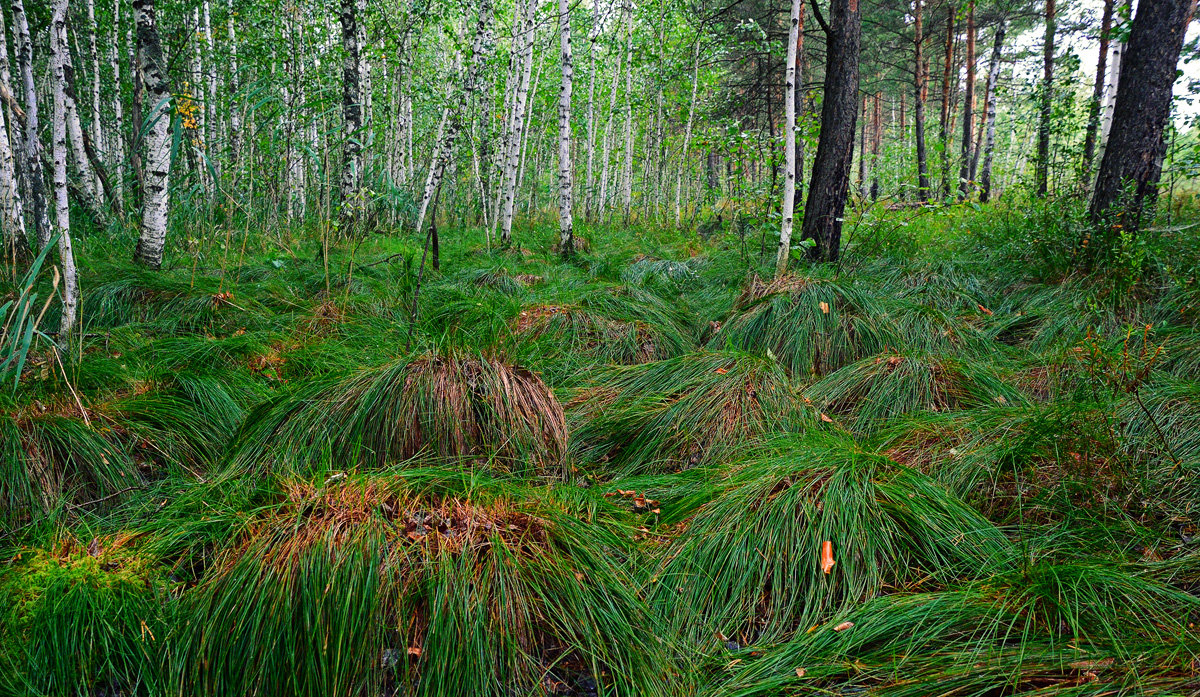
point(950, 464)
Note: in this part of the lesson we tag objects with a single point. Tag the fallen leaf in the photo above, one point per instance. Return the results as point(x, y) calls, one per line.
point(414, 651)
point(721, 371)
point(824, 307)
point(826, 419)
point(843, 626)
point(827, 561)
point(984, 310)
point(800, 672)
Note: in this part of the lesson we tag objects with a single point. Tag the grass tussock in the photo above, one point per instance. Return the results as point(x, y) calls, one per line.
point(453, 405)
point(418, 593)
point(683, 411)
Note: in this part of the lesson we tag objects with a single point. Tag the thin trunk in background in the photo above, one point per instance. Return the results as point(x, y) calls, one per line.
point(155, 194)
point(454, 116)
point(114, 148)
point(947, 69)
point(1110, 86)
point(968, 125)
point(798, 105)
point(524, 37)
point(989, 142)
point(32, 160)
point(876, 143)
point(1093, 124)
point(919, 94)
point(1046, 101)
point(352, 114)
point(12, 207)
point(789, 148)
point(566, 237)
point(687, 131)
point(58, 139)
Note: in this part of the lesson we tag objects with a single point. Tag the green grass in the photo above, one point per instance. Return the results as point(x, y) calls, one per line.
point(260, 472)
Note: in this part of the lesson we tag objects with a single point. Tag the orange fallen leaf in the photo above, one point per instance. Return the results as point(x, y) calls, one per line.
point(843, 626)
point(414, 651)
point(721, 371)
point(800, 672)
point(826, 419)
point(827, 561)
point(824, 307)
point(984, 310)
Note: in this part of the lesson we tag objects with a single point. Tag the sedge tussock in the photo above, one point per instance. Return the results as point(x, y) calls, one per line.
point(429, 594)
point(683, 411)
point(455, 405)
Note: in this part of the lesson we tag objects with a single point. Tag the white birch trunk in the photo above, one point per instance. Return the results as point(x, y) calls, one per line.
point(352, 115)
point(687, 133)
point(589, 193)
point(155, 193)
point(94, 55)
point(1110, 95)
point(114, 147)
point(513, 157)
point(606, 140)
point(62, 207)
point(789, 168)
point(210, 76)
point(566, 173)
point(12, 208)
point(33, 152)
point(235, 106)
point(86, 179)
point(627, 170)
point(452, 118)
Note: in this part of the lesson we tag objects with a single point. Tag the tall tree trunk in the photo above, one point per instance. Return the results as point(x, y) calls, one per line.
point(1042, 173)
point(789, 138)
point(155, 193)
point(94, 55)
point(115, 147)
point(566, 172)
point(687, 131)
point(968, 126)
point(32, 140)
point(947, 74)
point(862, 147)
point(627, 168)
point(12, 207)
point(85, 182)
point(1127, 183)
point(1110, 86)
point(235, 101)
point(453, 116)
point(798, 105)
point(512, 159)
point(58, 62)
point(876, 143)
point(989, 143)
point(1093, 124)
point(352, 114)
point(919, 82)
point(830, 183)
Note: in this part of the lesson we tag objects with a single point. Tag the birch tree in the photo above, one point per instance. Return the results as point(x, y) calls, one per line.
point(62, 207)
point(789, 148)
point(157, 166)
point(32, 160)
point(989, 143)
point(522, 40)
point(12, 207)
point(566, 172)
point(352, 115)
point(452, 116)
